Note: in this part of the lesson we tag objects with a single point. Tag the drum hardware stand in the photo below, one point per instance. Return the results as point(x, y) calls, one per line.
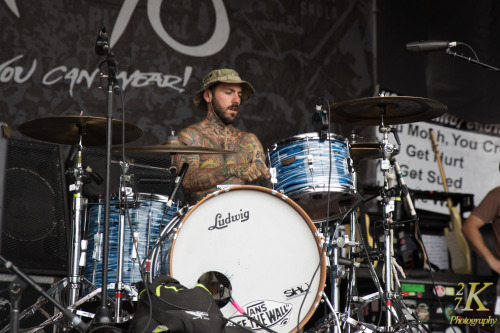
point(78, 245)
point(16, 292)
point(338, 264)
point(391, 214)
point(337, 317)
point(119, 287)
point(55, 318)
point(127, 164)
point(388, 213)
point(125, 193)
point(102, 48)
point(59, 286)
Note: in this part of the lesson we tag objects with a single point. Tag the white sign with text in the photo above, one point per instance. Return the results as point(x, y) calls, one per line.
point(470, 162)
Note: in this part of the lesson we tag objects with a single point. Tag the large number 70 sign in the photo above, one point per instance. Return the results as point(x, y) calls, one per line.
point(216, 42)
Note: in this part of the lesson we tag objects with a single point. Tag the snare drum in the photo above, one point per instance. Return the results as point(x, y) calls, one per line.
point(147, 218)
point(302, 165)
point(264, 244)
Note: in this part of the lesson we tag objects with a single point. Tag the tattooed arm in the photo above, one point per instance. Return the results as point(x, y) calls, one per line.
point(257, 169)
point(205, 174)
point(198, 179)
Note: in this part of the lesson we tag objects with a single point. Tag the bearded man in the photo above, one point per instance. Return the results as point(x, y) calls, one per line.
point(221, 96)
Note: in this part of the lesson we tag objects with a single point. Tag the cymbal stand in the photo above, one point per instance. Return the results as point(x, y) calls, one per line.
point(77, 244)
point(124, 194)
point(390, 215)
point(352, 278)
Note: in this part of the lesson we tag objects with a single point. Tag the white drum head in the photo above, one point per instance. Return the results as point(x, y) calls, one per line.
point(266, 246)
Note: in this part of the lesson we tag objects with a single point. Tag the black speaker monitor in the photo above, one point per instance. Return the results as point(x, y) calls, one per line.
point(35, 216)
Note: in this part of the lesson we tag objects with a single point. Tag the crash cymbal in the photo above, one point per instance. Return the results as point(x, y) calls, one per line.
point(393, 109)
point(368, 151)
point(174, 146)
point(67, 130)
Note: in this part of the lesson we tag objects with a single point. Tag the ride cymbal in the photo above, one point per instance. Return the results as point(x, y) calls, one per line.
point(387, 110)
point(68, 129)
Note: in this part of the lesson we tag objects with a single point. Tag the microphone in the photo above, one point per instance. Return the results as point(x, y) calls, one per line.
point(431, 45)
point(405, 194)
point(177, 184)
point(97, 178)
point(101, 43)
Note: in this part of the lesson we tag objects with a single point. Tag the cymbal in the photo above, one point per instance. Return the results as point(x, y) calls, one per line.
point(174, 146)
point(396, 110)
point(368, 151)
point(67, 130)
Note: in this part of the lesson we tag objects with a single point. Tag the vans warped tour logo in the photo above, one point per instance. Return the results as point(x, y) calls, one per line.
point(223, 221)
point(268, 313)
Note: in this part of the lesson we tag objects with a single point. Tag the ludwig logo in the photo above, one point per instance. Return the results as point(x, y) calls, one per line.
point(222, 222)
point(268, 313)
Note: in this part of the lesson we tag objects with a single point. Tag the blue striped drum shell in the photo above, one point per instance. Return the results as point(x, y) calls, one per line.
point(302, 165)
point(146, 217)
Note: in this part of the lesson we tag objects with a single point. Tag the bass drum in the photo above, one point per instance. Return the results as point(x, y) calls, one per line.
point(266, 248)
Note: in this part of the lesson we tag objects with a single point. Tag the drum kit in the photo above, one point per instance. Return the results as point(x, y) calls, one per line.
point(275, 246)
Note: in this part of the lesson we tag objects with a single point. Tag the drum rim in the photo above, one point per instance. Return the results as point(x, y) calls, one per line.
point(152, 196)
point(303, 214)
point(311, 135)
point(140, 196)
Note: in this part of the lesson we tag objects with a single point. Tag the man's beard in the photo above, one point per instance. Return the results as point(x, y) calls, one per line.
point(219, 112)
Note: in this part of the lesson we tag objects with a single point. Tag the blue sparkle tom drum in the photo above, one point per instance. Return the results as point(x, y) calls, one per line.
point(310, 169)
point(147, 218)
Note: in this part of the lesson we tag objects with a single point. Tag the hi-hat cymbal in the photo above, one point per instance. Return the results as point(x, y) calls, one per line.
point(68, 129)
point(368, 151)
point(392, 109)
point(174, 146)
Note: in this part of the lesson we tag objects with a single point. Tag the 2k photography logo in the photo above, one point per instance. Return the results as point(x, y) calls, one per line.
point(470, 303)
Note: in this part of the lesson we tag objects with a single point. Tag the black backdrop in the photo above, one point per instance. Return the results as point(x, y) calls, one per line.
point(470, 91)
point(291, 51)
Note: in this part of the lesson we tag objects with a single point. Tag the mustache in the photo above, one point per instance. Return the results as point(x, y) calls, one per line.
point(234, 106)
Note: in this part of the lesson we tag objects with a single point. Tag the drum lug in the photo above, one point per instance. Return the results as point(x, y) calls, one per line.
point(310, 162)
point(272, 173)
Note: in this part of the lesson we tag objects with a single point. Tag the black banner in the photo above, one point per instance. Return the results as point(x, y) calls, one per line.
point(291, 51)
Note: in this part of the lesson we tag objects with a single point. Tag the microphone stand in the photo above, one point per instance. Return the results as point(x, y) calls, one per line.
point(16, 291)
point(469, 59)
point(102, 48)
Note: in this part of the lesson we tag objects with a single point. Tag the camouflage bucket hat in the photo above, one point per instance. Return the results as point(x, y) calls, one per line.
point(226, 76)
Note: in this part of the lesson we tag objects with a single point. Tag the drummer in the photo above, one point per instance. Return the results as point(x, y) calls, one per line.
point(221, 95)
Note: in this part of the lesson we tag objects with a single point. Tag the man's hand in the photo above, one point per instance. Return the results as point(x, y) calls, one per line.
point(249, 172)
